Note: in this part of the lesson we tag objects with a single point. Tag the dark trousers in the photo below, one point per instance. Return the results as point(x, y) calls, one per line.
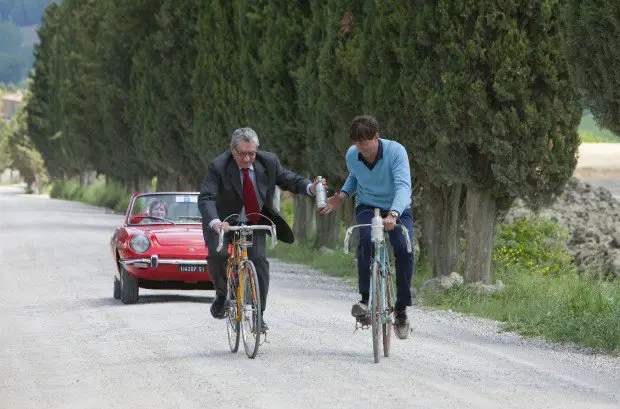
point(404, 260)
point(217, 263)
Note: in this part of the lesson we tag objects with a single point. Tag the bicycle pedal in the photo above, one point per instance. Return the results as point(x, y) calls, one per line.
point(360, 325)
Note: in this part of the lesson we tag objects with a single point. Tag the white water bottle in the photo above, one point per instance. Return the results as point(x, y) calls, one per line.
point(321, 194)
point(376, 224)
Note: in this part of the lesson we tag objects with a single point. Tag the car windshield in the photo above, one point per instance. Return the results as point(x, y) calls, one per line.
point(165, 208)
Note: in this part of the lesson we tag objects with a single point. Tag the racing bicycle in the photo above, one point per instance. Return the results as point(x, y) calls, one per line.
point(381, 296)
point(243, 304)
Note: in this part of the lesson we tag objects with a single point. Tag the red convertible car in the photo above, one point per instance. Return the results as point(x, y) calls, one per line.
point(160, 245)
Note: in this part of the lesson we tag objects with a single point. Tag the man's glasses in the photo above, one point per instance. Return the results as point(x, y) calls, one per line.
point(250, 155)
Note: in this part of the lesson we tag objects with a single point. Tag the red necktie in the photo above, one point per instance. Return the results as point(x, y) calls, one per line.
point(249, 198)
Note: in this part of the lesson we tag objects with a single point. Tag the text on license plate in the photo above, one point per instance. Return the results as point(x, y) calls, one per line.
point(190, 268)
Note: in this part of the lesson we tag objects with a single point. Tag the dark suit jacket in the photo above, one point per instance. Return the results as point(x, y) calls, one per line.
point(221, 194)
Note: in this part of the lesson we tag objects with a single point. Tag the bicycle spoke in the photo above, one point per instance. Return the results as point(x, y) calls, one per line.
point(232, 325)
point(251, 317)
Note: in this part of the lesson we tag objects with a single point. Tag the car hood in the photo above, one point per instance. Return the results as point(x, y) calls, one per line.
point(179, 237)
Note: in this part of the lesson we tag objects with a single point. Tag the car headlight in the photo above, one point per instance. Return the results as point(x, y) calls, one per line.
point(139, 243)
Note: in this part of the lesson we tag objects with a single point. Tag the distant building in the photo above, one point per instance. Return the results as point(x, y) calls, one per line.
point(10, 105)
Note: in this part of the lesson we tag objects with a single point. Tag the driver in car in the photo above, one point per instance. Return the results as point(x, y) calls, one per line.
point(159, 209)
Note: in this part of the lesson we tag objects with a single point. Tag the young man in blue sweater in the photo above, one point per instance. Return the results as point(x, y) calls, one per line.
point(379, 176)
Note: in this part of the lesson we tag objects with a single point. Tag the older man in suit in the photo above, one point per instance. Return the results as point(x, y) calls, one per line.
point(242, 180)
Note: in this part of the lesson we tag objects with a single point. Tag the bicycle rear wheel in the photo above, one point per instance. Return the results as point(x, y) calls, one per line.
point(232, 324)
point(375, 310)
point(386, 326)
point(251, 317)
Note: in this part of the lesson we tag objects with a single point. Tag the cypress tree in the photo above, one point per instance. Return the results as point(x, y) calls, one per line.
point(593, 34)
point(497, 109)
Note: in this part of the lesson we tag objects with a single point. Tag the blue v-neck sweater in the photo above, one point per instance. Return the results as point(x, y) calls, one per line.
point(387, 185)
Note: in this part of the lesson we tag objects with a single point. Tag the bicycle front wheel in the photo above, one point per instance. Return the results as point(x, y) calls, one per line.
point(251, 317)
point(232, 321)
point(387, 324)
point(375, 310)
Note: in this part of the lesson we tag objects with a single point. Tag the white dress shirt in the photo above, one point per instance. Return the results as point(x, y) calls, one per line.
point(260, 205)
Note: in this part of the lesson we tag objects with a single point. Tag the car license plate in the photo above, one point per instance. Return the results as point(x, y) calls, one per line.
point(191, 268)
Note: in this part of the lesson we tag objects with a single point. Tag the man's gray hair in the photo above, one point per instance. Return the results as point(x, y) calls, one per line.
point(244, 134)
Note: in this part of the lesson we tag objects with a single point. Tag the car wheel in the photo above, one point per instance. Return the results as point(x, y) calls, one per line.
point(117, 289)
point(129, 287)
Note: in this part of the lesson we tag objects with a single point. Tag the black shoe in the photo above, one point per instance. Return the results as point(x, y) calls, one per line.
point(401, 324)
point(263, 326)
point(218, 310)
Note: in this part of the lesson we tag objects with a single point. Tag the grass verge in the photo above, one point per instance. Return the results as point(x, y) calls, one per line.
point(565, 308)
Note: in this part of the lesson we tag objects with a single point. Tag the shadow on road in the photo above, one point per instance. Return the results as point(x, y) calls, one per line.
point(150, 299)
point(156, 298)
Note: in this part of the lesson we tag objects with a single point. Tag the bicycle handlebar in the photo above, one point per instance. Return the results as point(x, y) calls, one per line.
point(347, 236)
point(271, 229)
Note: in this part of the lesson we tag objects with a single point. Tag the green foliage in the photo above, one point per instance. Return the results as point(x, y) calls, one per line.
point(21, 151)
point(589, 131)
point(5, 154)
point(533, 244)
point(101, 193)
point(110, 195)
point(494, 102)
point(274, 49)
point(44, 108)
point(287, 211)
point(329, 95)
point(564, 308)
point(160, 102)
point(217, 87)
point(69, 190)
point(593, 30)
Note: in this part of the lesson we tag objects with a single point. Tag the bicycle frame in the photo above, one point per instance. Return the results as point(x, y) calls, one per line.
point(381, 292)
point(239, 254)
point(382, 260)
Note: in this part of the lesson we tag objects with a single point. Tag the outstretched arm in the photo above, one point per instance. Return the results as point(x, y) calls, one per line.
point(291, 181)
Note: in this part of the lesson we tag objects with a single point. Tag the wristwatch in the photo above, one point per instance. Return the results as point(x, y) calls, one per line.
point(394, 213)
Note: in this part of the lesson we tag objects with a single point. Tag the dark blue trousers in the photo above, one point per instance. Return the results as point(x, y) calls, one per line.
point(404, 260)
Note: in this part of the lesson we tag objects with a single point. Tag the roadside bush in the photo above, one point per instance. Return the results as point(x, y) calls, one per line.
point(110, 195)
point(533, 244)
point(69, 190)
point(105, 194)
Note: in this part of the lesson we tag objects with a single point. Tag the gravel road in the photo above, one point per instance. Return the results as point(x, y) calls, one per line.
point(66, 343)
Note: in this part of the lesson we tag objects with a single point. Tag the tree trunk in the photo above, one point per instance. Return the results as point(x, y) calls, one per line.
point(443, 204)
point(166, 183)
point(303, 208)
point(328, 230)
point(480, 228)
point(184, 185)
point(348, 216)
